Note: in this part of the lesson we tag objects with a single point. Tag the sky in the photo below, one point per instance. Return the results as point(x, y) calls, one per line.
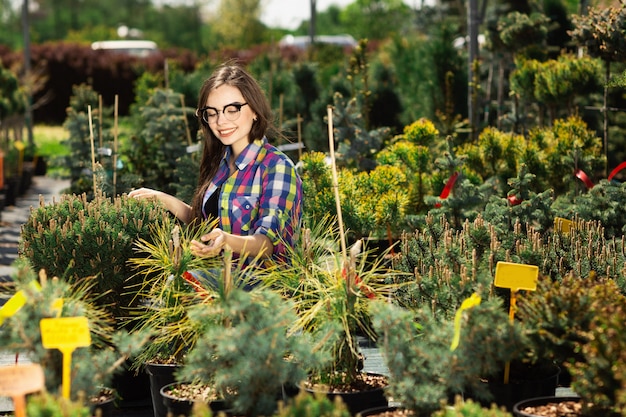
point(288, 14)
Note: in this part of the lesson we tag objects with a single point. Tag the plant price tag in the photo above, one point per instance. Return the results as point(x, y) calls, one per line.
point(19, 380)
point(65, 334)
point(563, 225)
point(14, 303)
point(516, 276)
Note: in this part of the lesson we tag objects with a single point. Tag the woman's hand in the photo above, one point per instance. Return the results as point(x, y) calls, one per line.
point(146, 193)
point(210, 245)
point(178, 208)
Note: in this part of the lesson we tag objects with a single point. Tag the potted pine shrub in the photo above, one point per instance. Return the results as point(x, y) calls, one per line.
point(449, 265)
point(332, 294)
point(90, 242)
point(162, 296)
point(588, 340)
point(245, 351)
point(427, 368)
point(92, 367)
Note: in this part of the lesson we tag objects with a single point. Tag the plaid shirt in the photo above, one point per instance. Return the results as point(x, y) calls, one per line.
point(264, 195)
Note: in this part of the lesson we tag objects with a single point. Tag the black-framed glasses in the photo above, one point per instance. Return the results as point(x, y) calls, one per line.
point(230, 111)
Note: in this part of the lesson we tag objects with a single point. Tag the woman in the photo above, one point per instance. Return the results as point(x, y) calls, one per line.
point(246, 183)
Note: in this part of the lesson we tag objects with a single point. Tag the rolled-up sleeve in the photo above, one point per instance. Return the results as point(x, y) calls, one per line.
point(280, 205)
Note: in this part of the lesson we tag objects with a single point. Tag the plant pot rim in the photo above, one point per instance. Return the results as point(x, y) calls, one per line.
point(104, 395)
point(540, 400)
point(378, 410)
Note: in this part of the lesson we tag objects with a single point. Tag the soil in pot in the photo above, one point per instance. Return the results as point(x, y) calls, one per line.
point(549, 406)
point(552, 406)
point(179, 398)
point(367, 392)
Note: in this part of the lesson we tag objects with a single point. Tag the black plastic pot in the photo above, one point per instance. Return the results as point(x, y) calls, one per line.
point(160, 375)
point(525, 381)
point(359, 400)
point(11, 189)
point(41, 165)
point(104, 407)
point(133, 389)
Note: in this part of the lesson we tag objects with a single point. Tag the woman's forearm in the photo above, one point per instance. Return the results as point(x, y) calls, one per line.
point(177, 207)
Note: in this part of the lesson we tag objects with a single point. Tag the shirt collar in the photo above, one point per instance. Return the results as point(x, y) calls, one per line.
point(249, 153)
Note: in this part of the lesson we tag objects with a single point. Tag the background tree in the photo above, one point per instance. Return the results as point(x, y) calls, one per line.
point(376, 19)
point(55, 20)
point(327, 22)
point(558, 38)
point(237, 23)
point(601, 33)
point(420, 65)
point(518, 34)
point(10, 22)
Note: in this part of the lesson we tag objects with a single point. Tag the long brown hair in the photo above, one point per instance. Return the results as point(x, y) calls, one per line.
point(234, 75)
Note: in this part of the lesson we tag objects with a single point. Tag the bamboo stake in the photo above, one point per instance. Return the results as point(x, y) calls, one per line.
point(299, 124)
point(182, 103)
point(93, 151)
point(115, 146)
point(281, 100)
point(100, 120)
point(228, 277)
point(331, 144)
point(166, 74)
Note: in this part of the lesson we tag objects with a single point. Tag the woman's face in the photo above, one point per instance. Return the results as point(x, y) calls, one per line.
point(229, 117)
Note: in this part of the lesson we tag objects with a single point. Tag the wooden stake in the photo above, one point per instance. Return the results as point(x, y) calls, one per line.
point(331, 145)
point(100, 120)
point(299, 124)
point(281, 99)
point(166, 74)
point(93, 151)
point(115, 114)
point(182, 103)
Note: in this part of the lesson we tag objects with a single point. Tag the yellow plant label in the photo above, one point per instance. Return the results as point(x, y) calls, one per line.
point(57, 306)
point(21, 379)
point(516, 276)
point(469, 302)
point(65, 333)
point(14, 303)
point(563, 225)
